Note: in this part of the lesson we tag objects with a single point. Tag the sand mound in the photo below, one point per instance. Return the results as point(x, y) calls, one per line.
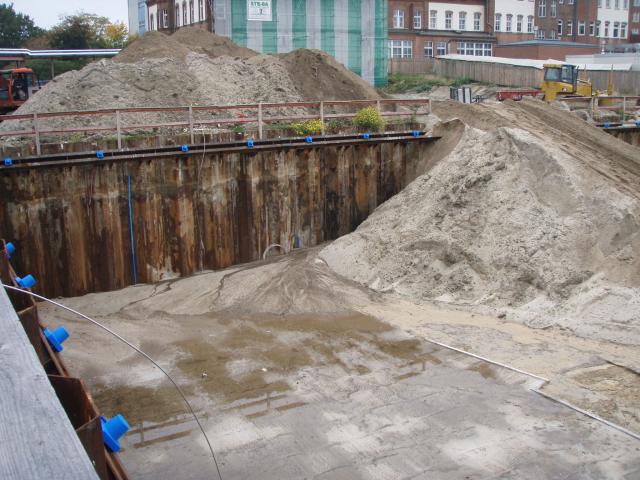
point(319, 76)
point(152, 45)
point(511, 222)
point(202, 41)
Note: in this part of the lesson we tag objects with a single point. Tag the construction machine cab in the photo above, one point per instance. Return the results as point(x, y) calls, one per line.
point(16, 87)
point(562, 79)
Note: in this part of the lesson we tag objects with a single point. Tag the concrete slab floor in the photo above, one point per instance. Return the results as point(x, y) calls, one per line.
point(294, 377)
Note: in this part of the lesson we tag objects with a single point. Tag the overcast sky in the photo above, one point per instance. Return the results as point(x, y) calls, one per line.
point(46, 13)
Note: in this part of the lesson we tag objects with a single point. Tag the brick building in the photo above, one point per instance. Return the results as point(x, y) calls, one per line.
point(598, 22)
point(169, 15)
point(511, 20)
point(427, 29)
point(634, 21)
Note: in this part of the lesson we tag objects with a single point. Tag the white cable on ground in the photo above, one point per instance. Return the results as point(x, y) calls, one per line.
point(126, 342)
point(537, 390)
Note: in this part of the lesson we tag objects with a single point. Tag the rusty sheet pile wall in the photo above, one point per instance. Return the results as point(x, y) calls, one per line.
point(190, 212)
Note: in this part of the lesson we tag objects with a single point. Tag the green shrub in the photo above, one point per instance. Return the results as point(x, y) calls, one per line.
point(459, 82)
point(369, 118)
point(309, 127)
point(336, 125)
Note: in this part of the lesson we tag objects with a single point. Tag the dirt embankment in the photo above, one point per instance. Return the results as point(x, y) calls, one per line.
point(534, 214)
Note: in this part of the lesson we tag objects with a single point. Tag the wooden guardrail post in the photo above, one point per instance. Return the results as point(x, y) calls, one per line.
point(260, 121)
point(191, 124)
point(36, 130)
point(322, 117)
point(118, 129)
point(624, 109)
point(593, 106)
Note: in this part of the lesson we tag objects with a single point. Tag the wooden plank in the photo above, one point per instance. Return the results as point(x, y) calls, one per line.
point(36, 438)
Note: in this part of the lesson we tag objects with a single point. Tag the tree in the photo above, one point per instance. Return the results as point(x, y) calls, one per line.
point(115, 35)
point(80, 31)
point(15, 28)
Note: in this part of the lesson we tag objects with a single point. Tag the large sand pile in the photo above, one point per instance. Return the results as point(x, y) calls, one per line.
point(192, 67)
point(516, 222)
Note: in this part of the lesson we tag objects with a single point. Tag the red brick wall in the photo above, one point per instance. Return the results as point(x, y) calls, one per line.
point(543, 52)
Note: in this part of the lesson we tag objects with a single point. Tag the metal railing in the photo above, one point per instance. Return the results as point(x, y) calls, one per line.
point(625, 107)
point(258, 114)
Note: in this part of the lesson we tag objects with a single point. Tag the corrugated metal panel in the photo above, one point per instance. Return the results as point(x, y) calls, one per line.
point(353, 31)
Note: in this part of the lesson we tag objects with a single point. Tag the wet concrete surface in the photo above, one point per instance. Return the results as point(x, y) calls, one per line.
point(336, 394)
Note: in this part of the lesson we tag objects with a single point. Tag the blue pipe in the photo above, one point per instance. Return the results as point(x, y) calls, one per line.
point(133, 245)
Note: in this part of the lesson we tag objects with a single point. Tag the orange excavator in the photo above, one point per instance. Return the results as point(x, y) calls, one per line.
point(16, 87)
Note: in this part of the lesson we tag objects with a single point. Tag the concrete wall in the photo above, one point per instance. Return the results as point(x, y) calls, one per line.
point(190, 212)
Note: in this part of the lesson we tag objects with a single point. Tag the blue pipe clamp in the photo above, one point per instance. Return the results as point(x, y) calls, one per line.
point(309, 139)
point(416, 133)
point(9, 249)
point(56, 337)
point(26, 282)
point(100, 154)
point(8, 162)
point(113, 430)
point(184, 148)
point(250, 143)
point(366, 136)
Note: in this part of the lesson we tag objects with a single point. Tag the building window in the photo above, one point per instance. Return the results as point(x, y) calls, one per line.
point(185, 20)
point(462, 20)
point(476, 21)
point(191, 11)
point(441, 48)
point(433, 19)
point(151, 24)
point(606, 29)
point(599, 3)
point(417, 20)
point(519, 19)
point(201, 10)
point(582, 28)
point(598, 28)
point(553, 9)
point(497, 26)
point(617, 4)
point(476, 49)
point(559, 28)
point(398, 19)
point(570, 2)
point(541, 34)
point(635, 31)
point(616, 29)
point(636, 17)
point(608, 3)
point(592, 28)
point(165, 18)
point(177, 16)
point(552, 35)
point(625, 4)
point(509, 19)
point(530, 24)
point(623, 30)
point(428, 49)
point(636, 3)
point(542, 8)
point(448, 18)
point(400, 49)
point(569, 27)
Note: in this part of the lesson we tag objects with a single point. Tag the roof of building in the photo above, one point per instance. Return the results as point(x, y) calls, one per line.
point(528, 62)
point(548, 43)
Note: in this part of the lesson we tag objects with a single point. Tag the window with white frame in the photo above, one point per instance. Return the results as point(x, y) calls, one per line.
point(165, 18)
point(553, 9)
point(448, 19)
point(185, 20)
point(475, 49)
point(498, 23)
point(625, 4)
point(608, 3)
point(530, 24)
point(560, 27)
point(398, 19)
point(476, 21)
point(636, 17)
point(561, 2)
point(623, 30)
point(540, 34)
point(552, 35)
point(177, 17)
point(509, 22)
point(462, 20)
point(616, 29)
point(570, 2)
point(519, 19)
point(441, 48)
point(151, 24)
point(582, 28)
point(433, 19)
point(191, 12)
point(599, 3)
point(635, 31)
point(542, 8)
point(616, 4)
point(428, 49)
point(201, 10)
point(606, 29)
point(598, 28)
point(417, 20)
point(400, 49)
point(636, 3)
point(569, 27)
point(592, 28)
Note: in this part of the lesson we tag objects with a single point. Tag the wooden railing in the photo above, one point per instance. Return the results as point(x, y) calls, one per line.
point(626, 108)
point(257, 114)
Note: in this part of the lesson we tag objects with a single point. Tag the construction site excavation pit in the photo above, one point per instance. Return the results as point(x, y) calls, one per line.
point(292, 378)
